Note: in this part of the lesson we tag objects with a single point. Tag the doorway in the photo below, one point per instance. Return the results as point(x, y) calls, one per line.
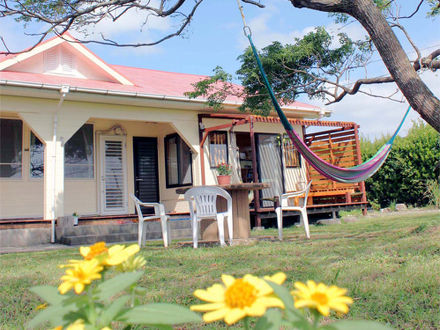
point(146, 183)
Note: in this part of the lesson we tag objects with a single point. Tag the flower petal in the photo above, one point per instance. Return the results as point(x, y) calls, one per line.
point(277, 278)
point(323, 309)
point(215, 315)
point(261, 285)
point(256, 309)
point(64, 287)
point(228, 280)
point(339, 307)
point(233, 315)
point(271, 302)
point(214, 293)
point(207, 307)
point(78, 287)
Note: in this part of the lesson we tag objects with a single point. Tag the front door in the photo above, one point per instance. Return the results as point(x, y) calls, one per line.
point(270, 166)
point(113, 175)
point(146, 183)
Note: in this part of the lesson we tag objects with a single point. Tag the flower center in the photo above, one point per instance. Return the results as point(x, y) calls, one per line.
point(240, 294)
point(96, 249)
point(320, 298)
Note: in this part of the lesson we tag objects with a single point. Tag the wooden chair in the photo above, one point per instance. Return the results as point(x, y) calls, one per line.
point(159, 213)
point(301, 196)
point(205, 200)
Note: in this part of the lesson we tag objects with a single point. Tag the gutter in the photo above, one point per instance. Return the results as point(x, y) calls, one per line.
point(317, 111)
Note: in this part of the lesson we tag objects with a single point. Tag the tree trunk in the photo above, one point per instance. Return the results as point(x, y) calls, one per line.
point(419, 96)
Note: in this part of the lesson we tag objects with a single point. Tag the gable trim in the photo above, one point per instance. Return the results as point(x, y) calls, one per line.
point(77, 46)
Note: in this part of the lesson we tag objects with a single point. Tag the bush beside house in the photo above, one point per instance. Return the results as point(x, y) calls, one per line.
point(410, 170)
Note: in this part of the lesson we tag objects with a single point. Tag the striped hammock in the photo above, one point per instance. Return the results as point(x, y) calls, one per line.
point(346, 175)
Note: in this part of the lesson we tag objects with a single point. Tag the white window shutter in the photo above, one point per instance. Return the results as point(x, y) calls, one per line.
point(51, 60)
point(68, 62)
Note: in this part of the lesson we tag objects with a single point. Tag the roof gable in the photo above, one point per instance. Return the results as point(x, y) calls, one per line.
point(63, 56)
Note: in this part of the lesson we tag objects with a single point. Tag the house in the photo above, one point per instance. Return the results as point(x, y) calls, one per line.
point(79, 135)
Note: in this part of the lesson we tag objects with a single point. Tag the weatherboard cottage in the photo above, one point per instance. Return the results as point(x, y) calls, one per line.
point(78, 135)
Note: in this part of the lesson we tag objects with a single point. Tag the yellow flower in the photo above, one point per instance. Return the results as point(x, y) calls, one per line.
point(81, 274)
point(131, 264)
point(236, 299)
point(42, 306)
point(77, 325)
point(117, 254)
point(321, 297)
point(89, 252)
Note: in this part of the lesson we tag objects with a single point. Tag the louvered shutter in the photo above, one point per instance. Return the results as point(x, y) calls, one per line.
point(51, 60)
point(68, 62)
point(113, 175)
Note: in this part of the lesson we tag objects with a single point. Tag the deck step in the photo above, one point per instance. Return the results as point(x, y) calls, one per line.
point(91, 239)
point(111, 233)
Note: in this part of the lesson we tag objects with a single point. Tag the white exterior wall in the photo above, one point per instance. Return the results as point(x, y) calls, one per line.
point(27, 197)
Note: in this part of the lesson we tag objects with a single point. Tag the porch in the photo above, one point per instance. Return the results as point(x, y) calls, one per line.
point(270, 157)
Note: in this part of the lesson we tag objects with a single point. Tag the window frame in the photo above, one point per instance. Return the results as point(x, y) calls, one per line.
point(32, 178)
point(93, 156)
point(21, 177)
point(212, 167)
point(285, 150)
point(179, 140)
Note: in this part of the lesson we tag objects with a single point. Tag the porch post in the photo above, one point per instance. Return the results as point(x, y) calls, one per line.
point(255, 173)
point(53, 179)
point(359, 158)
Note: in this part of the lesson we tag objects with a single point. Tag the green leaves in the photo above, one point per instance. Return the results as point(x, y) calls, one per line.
point(159, 314)
point(411, 165)
point(63, 311)
point(49, 294)
point(92, 306)
point(109, 288)
point(272, 320)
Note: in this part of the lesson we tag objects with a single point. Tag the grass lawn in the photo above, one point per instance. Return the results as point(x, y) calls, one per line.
point(389, 264)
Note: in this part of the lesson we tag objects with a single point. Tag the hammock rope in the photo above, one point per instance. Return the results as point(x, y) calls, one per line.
point(353, 174)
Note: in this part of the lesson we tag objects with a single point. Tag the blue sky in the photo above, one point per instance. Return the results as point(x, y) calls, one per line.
point(215, 38)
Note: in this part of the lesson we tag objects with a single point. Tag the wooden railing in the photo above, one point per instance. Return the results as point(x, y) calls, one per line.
point(338, 147)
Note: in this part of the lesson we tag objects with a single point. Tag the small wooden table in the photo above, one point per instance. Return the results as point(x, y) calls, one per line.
point(240, 210)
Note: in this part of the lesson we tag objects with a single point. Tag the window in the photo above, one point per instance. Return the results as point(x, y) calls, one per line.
point(78, 154)
point(36, 157)
point(291, 155)
point(218, 148)
point(11, 135)
point(178, 162)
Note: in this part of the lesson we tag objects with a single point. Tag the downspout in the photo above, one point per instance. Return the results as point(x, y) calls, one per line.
point(63, 91)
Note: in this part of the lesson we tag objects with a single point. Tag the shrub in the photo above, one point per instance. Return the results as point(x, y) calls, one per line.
point(412, 163)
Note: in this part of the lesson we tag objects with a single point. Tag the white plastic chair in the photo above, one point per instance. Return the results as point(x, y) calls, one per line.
point(159, 212)
point(205, 200)
point(284, 206)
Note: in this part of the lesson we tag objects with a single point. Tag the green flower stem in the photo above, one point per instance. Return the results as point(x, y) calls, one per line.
point(316, 318)
point(92, 310)
point(246, 323)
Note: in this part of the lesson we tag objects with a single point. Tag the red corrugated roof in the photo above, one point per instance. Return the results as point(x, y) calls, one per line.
point(146, 81)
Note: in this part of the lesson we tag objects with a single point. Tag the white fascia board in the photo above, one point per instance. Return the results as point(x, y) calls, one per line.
point(17, 88)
